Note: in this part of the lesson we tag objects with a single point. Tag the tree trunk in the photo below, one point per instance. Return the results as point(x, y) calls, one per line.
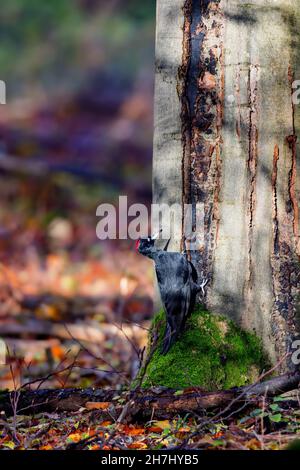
point(226, 128)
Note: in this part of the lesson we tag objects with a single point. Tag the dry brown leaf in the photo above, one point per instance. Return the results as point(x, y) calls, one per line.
point(97, 405)
point(155, 429)
point(138, 445)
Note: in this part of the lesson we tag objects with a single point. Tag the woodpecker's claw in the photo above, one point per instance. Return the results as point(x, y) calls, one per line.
point(202, 285)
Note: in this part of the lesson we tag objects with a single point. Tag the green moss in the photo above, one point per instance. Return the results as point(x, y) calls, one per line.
point(212, 353)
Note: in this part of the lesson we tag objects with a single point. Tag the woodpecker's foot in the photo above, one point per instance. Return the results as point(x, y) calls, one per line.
point(201, 287)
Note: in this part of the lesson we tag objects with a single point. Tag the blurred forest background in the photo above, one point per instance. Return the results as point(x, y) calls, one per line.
point(76, 131)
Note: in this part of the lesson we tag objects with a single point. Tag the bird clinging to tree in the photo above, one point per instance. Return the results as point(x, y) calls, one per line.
point(178, 285)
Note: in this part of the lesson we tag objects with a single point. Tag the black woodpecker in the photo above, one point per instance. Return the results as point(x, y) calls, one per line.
point(178, 285)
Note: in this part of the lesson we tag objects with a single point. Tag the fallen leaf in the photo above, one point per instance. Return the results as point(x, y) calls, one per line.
point(94, 447)
point(155, 429)
point(218, 435)
point(131, 430)
point(97, 405)
point(136, 431)
point(10, 444)
point(75, 437)
point(253, 444)
point(183, 430)
point(162, 424)
point(104, 424)
point(276, 418)
point(138, 445)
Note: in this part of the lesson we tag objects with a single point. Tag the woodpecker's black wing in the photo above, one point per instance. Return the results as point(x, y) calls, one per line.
point(174, 281)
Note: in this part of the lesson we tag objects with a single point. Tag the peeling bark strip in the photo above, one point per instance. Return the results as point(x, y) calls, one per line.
point(185, 111)
point(292, 141)
point(278, 321)
point(275, 201)
point(285, 259)
point(202, 92)
point(252, 157)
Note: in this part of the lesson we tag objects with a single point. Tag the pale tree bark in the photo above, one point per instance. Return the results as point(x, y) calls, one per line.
point(226, 129)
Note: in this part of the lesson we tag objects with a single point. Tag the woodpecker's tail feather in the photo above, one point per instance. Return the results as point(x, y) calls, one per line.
point(170, 338)
point(167, 340)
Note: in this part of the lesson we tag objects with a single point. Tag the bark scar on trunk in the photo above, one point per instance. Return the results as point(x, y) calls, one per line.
point(275, 201)
point(201, 90)
point(292, 141)
point(252, 156)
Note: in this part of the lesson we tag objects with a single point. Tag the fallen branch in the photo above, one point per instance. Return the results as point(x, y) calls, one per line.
point(144, 403)
point(37, 401)
point(275, 386)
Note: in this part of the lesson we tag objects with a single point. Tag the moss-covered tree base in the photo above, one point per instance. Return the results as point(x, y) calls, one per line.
point(212, 353)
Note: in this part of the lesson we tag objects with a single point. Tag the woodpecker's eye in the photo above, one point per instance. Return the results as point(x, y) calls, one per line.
point(137, 244)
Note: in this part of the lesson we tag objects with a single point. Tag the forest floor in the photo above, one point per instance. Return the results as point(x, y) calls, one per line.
point(273, 425)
